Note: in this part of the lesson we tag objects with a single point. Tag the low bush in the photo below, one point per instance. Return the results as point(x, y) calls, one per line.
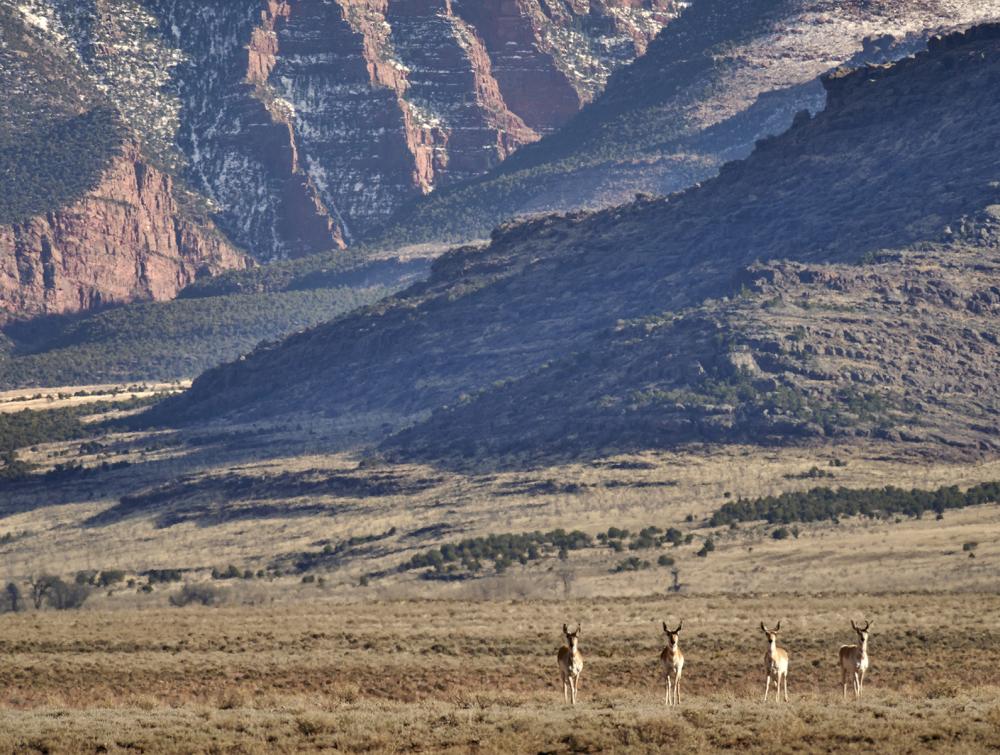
point(199, 594)
point(630, 564)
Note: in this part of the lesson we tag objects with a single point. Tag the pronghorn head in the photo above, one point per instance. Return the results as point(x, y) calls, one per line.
point(672, 634)
point(772, 634)
point(862, 631)
point(572, 638)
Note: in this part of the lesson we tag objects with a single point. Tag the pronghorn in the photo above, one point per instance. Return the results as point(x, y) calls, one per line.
point(673, 663)
point(854, 660)
point(570, 663)
point(775, 663)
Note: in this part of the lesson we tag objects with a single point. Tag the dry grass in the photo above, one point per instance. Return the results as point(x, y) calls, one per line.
point(58, 398)
point(656, 488)
point(286, 666)
point(455, 676)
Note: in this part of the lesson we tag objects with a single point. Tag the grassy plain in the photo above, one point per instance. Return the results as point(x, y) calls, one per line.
point(481, 676)
point(57, 398)
point(259, 499)
point(317, 658)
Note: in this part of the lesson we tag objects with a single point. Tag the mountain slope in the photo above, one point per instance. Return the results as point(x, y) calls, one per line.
point(723, 75)
point(133, 127)
point(86, 216)
point(898, 158)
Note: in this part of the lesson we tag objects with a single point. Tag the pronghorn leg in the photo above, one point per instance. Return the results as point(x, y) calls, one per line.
point(861, 685)
point(668, 697)
point(857, 686)
point(767, 687)
point(565, 690)
point(843, 679)
point(677, 690)
point(572, 687)
point(786, 686)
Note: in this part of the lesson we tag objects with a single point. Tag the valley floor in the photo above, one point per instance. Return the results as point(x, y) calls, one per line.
point(481, 676)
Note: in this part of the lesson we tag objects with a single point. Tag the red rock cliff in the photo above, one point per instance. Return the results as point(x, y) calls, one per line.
point(125, 240)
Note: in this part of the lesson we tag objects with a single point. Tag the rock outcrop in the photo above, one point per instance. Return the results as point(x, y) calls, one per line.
point(551, 58)
point(307, 123)
point(128, 239)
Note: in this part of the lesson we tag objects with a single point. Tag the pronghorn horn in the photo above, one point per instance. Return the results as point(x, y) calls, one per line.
point(867, 624)
point(665, 628)
point(577, 629)
point(763, 628)
point(565, 629)
point(778, 627)
point(679, 625)
point(854, 626)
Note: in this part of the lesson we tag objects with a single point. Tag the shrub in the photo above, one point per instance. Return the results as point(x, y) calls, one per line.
point(630, 564)
point(53, 591)
point(110, 577)
point(665, 560)
point(12, 598)
point(230, 572)
point(707, 547)
point(86, 577)
point(203, 594)
point(828, 503)
point(163, 575)
point(970, 546)
point(781, 533)
point(674, 536)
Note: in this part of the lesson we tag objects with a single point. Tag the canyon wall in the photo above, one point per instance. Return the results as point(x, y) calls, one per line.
point(371, 103)
point(295, 125)
point(127, 239)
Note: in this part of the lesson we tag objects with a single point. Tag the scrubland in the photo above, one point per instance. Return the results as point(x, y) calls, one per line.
point(460, 676)
point(269, 501)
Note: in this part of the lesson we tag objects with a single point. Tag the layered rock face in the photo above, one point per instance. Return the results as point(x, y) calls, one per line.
point(307, 122)
point(127, 239)
point(89, 214)
point(370, 103)
point(550, 58)
point(238, 140)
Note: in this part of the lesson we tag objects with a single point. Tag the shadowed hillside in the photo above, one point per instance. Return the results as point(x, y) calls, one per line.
point(724, 74)
point(898, 166)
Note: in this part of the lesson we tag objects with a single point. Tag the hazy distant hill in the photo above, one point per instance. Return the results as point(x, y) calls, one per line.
point(724, 74)
point(882, 318)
